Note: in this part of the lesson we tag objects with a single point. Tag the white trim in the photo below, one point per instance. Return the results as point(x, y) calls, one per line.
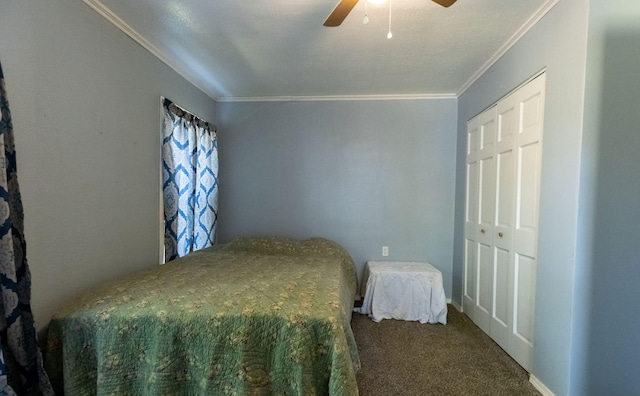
point(138, 38)
point(542, 11)
point(456, 306)
point(540, 386)
point(335, 98)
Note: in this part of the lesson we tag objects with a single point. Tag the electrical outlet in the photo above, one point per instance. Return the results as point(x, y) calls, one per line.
point(385, 251)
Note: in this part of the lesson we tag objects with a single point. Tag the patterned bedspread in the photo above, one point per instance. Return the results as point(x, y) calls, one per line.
point(256, 316)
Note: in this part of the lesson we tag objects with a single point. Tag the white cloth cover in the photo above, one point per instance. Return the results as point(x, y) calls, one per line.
point(405, 291)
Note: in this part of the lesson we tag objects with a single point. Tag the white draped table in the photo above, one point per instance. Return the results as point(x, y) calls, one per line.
point(405, 291)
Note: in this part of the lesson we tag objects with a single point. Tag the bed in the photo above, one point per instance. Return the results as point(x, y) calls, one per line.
point(256, 316)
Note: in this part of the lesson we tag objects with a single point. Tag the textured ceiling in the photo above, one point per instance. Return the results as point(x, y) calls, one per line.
point(235, 49)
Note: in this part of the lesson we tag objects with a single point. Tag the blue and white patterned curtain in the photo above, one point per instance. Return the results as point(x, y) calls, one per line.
point(189, 181)
point(21, 370)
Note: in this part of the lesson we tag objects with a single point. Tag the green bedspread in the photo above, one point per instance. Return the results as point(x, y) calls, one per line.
point(258, 316)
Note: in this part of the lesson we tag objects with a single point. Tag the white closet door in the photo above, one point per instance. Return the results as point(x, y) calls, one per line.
point(503, 221)
point(484, 229)
point(528, 147)
point(471, 219)
point(501, 228)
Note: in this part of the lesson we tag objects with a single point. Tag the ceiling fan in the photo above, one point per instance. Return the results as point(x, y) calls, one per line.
point(344, 7)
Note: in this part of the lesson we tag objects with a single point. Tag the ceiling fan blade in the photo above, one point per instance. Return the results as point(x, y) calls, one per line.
point(444, 3)
point(340, 12)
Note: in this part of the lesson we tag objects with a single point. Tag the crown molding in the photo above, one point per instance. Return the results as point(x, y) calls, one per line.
point(336, 98)
point(528, 25)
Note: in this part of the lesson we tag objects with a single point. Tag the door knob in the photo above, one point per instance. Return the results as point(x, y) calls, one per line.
point(500, 234)
point(482, 230)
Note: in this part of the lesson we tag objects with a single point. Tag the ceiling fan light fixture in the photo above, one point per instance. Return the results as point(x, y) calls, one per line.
point(344, 7)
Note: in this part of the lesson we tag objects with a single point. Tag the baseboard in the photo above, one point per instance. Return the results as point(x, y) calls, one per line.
point(540, 386)
point(455, 305)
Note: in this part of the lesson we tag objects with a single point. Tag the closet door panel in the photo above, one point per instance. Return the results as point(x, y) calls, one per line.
point(471, 220)
point(500, 310)
point(506, 125)
point(484, 273)
point(471, 212)
point(487, 134)
point(472, 141)
point(505, 178)
point(470, 260)
point(484, 287)
point(522, 337)
point(531, 113)
point(525, 292)
point(486, 175)
point(503, 222)
point(527, 199)
point(486, 193)
point(530, 100)
point(486, 210)
point(504, 192)
point(528, 148)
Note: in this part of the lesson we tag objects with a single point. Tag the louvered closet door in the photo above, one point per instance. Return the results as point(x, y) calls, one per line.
point(503, 181)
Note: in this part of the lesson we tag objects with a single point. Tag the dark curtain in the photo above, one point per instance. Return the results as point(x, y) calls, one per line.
point(21, 370)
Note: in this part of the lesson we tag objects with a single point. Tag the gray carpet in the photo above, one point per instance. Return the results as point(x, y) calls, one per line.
point(409, 358)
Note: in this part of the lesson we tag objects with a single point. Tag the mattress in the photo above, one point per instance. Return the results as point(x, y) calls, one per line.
point(257, 316)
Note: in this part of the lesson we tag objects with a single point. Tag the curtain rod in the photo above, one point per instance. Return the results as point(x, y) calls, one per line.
point(171, 106)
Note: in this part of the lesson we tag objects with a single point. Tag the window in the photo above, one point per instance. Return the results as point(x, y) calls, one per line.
point(189, 181)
